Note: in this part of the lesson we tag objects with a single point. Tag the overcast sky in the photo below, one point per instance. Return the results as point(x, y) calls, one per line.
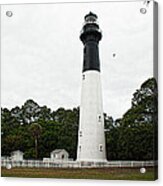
point(42, 56)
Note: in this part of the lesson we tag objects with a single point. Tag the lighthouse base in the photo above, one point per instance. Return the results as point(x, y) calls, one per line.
point(94, 160)
point(91, 164)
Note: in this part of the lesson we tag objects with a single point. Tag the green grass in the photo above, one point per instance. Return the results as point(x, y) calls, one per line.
point(93, 173)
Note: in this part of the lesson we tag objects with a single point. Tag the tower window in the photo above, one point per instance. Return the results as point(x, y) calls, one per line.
point(83, 77)
point(80, 148)
point(80, 133)
point(99, 118)
point(100, 148)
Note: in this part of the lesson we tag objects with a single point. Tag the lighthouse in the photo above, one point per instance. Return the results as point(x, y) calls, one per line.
point(91, 139)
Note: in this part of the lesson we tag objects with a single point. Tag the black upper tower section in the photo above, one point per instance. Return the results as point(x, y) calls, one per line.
point(90, 36)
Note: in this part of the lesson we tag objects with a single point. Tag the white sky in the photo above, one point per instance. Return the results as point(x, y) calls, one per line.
point(42, 56)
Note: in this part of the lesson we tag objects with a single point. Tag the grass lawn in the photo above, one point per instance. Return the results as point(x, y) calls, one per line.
point(85, 173)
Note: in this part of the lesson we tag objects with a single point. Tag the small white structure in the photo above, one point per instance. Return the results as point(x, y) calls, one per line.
point(17, 155)
point(59, 154)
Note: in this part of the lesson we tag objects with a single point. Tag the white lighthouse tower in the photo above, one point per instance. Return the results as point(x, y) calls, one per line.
point(91, 139)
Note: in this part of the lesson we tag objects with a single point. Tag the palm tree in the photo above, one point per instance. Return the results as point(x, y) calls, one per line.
point(36, 130)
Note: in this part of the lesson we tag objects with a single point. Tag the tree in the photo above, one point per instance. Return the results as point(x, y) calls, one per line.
point(138, 130)
point(59, 129)
point(36, 130)
point(134, 136)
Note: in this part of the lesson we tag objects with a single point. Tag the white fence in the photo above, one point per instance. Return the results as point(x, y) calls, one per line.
point(74, 164)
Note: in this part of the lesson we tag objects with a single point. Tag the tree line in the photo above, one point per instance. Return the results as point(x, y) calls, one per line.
point(37, 130)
